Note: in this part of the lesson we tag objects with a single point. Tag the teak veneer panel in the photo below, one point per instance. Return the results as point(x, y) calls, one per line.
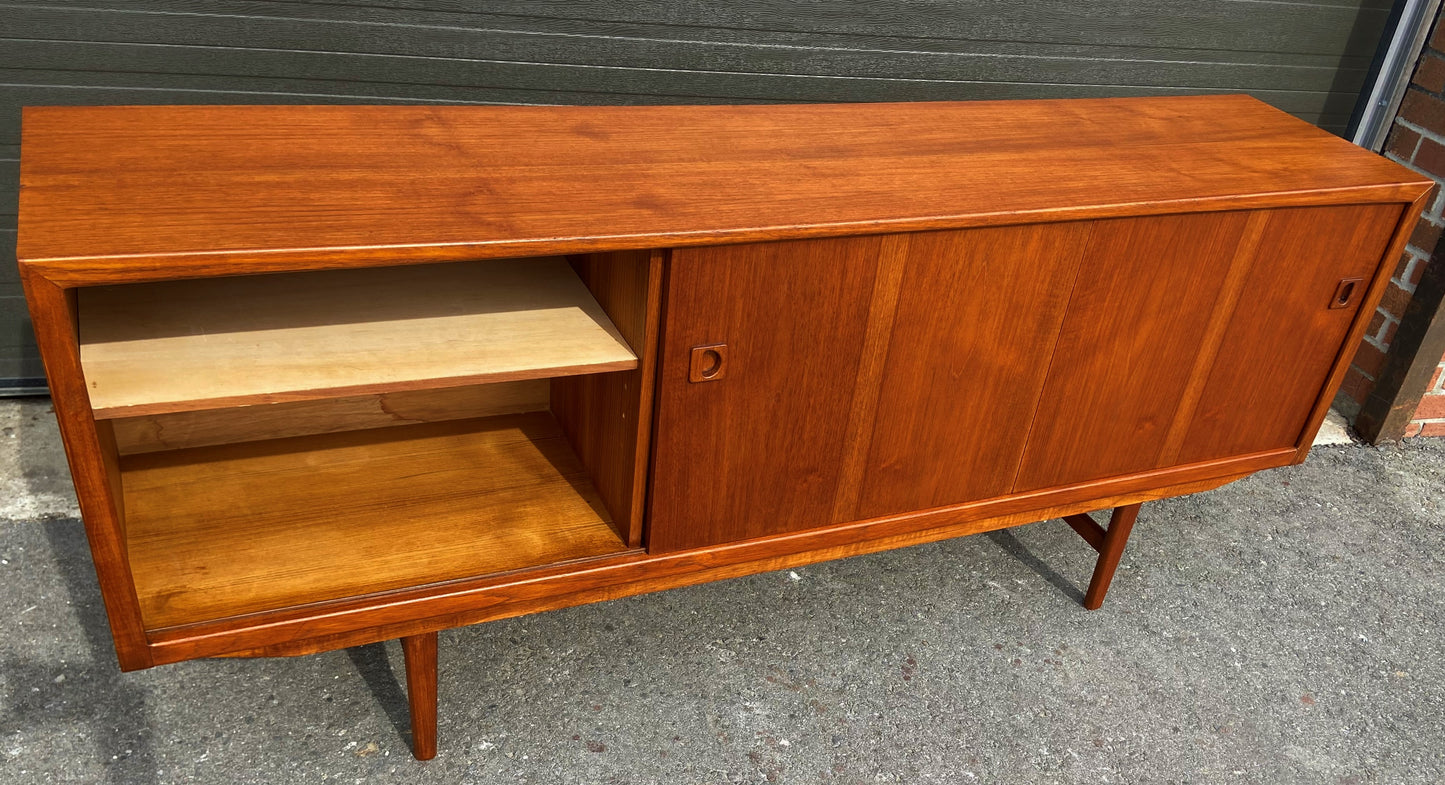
point(963, 374)
point(136, 193)
point(333, 625)
point(760, 451)
point(608, 416)
point(211, 343)
point(1283, 337)
point(217, 532)
point(1137, 317)
point(90, 451)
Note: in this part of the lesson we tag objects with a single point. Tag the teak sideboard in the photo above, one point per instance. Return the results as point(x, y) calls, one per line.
point(334, 375)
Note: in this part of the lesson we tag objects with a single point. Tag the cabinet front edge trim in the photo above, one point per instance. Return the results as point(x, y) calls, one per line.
point(72, 271)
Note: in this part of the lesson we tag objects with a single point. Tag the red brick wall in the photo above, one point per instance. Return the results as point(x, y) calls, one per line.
point(1430, 417)
point(1417, 140)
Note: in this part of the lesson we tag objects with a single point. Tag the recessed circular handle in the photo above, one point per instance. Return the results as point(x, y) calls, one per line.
point(707, 363)
point(711, 364)
point(1345, 292)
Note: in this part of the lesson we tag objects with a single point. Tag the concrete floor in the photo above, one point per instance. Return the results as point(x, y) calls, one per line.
point(1284, 629)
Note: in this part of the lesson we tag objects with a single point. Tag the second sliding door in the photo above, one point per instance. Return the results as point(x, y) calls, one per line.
point(972, 335)
point(1144, 300)
point(1197, 337)
point(850, 378)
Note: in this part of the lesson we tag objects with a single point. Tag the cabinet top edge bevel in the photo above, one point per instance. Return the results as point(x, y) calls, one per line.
point(148, 193)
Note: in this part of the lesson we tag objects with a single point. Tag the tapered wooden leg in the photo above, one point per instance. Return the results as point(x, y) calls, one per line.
point(1110, 545)
point(421, 692)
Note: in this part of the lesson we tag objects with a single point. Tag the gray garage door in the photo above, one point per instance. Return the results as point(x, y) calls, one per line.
point(1308, 57)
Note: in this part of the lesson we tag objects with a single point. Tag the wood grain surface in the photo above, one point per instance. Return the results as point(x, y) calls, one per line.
point(215, 532)
point(1136, 320)
point(1110, 548)
point(1224, 305)
point(863, 412)
point(762, 450)
point(213, 343)
point(608, 416)
point(91, 454)
point(179, 430)
point(1283, 336)
point(420, 655)
point(1405, 227)
point(466, 602)
point(978, 315)
point(138, 193)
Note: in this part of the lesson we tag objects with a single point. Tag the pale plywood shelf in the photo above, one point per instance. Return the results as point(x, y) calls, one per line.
point(177, 346)
point(218, 532)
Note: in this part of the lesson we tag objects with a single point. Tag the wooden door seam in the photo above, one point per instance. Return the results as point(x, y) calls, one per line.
point(863, 414)
point(1225, 305)
point(1053, 353)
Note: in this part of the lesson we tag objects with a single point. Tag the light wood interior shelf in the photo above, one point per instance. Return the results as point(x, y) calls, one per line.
point(216, 532)
point(189, 345)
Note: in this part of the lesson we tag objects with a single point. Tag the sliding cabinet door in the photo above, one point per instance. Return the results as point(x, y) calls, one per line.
point(761, 349)
point(1136, 321)
point(1310, 276)
point(812, 383)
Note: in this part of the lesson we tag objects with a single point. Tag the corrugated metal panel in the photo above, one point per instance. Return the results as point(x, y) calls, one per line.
point(1308, 58)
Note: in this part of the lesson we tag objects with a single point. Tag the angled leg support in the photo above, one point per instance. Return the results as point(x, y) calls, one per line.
point(1110, 545)
point(421, 692)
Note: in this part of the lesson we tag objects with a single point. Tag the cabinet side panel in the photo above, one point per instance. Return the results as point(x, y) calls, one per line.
point(759, 449)
point(91, 452)
point(978, 314)
point(1283, 338)
point(607, 417)
point(1138, 316)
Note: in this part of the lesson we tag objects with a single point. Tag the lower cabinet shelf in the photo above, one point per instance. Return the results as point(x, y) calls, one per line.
point(217, 532)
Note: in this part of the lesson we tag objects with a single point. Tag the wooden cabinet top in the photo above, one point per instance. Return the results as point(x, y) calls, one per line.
point(137, 193)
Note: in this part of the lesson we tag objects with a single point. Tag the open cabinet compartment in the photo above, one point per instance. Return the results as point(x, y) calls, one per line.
point(292, 439)
point(186, 345)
